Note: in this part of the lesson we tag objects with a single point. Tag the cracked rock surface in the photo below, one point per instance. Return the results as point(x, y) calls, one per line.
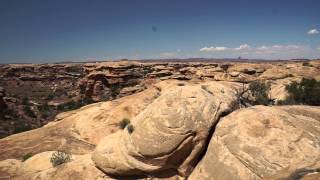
point(169, 134)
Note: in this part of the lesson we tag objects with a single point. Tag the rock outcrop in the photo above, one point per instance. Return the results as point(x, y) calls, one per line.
point(263, 142)
point(169, 134)
point(153, 125)
point(38, 92)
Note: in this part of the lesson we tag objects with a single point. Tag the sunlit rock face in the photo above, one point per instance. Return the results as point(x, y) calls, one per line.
point(169, 134)
point(263, 142)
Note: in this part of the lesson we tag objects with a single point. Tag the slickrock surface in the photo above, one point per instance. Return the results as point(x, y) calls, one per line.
point(169, 134)
point(32, 94)
point(260, 141)
point(187, 121)
point(77, 131)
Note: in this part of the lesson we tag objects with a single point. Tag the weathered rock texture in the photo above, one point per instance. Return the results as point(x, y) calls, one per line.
point(171, 122)
point(263, 142)
point(35, 93)
point(77, 131)
point(169, 134)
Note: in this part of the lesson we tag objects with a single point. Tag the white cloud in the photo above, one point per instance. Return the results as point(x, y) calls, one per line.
point(280, 47)
point(221, 48)
point(243, 47)
point(313, 31)
point(277, 51)
point(212, 49)
point(277, 46)
point(262, 48)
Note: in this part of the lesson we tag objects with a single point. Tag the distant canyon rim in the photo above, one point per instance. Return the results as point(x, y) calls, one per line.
point(186, 120)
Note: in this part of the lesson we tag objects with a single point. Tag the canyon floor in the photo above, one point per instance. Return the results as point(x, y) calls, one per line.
point(157, 120)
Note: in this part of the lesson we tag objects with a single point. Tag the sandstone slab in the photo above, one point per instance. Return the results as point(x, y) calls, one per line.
point(261, 142)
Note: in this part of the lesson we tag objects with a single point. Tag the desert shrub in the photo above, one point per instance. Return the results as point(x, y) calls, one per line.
point(115, 90)
point(50, 97)
point(124, 123)
point(72, 105)
point(25, 101)
point(307, 91)
point(26, 156)
point(45, 110)
point(20, 126)
point(86, 100)
point(69, 106)
point(28, 111)
point(260, 91)
point(130, 128)
point(307, 64)
point(59, 157)
point(225, 67)
point(180, 84)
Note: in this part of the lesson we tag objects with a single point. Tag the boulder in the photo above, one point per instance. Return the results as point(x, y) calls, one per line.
point(169, 134)
point(234, 74)
point(262, 142)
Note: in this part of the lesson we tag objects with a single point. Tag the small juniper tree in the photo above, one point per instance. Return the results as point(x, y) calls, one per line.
point(260, 91)
point(225, 67)
point(305, 92)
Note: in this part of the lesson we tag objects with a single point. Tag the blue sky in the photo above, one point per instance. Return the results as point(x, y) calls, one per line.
point(78, 30)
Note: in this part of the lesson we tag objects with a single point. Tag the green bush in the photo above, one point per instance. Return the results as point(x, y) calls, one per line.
point(260, 91)
point(123, 123)
point(307, 91)
point(59, 157)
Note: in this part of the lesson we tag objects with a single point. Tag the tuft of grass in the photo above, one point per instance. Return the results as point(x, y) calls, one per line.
point(26, 156)
point(59, 157)
point(130, 128)
point(205, 87)
point(124, 123)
